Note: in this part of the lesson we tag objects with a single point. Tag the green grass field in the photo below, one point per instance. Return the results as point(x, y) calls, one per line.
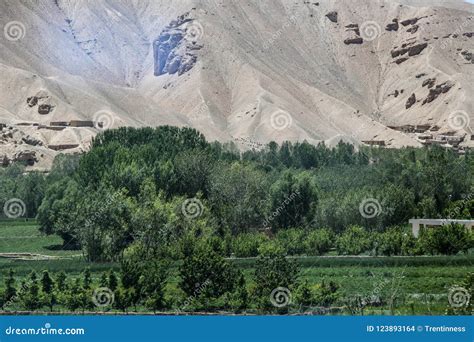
point(23, 236)
point(417, 285)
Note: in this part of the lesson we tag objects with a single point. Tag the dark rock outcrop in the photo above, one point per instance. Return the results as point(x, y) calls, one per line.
point(332, 16)
point(29, 140)
point(430, 82)
point(417, 49)
point(412, 50)
point(393, 26)
point(413, 29)
point(468, 56)
point(32, 101)
point(44, 109)
point(355, 40)
point(401, 60)
point(175, 49)
point(26, 157)
point(411, 101)
point(409, 21)
point(354, 28)
point(437, 91)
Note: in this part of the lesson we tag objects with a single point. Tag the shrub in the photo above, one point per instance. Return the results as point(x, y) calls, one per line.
point(389, 242)
point(319, 242)
point(355, 240)
point(206, 275)
point(246, 245)
point(448, 239)
point(292, 240)
point(272, 246)
point(273, 271)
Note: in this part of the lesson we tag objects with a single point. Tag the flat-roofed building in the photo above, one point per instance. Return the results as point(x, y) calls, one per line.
point(81, 123)
point(417, 224)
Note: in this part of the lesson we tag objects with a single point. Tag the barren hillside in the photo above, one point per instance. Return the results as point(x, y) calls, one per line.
point(379, 72)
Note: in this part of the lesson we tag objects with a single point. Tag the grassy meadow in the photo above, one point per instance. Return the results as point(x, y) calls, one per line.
point(403, 285)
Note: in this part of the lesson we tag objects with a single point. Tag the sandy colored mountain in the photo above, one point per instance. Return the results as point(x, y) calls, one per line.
point(392, 73)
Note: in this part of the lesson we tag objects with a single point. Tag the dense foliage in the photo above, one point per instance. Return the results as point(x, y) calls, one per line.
point(164, 189)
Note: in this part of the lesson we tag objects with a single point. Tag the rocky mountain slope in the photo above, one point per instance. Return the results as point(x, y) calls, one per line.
point(388, 73)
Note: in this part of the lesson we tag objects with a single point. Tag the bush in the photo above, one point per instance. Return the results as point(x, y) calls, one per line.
point(327, 293)
point(448, 239)
point(206, 275)
point(246, 245)
point(273, 271)
point(354, 241)
point(272, 246)
point(319, 242)
point(292, 240)
point(389, 242)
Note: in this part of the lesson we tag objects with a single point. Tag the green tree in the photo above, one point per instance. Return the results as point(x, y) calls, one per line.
point(153, 282)
point(10, 289)
point(449, 239)
point(273, 271)
point(61, 281)
point(30, 296)
point(319, 241)
point(238, 197)
point(207, 275)
point(73, 298)
point(293, 199)
point(47, 284)
point(112, 280)
point(354, 241)
point(87, 279)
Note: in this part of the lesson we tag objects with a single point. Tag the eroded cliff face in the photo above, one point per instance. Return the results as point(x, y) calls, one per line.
point(175, 49)
point(389, 73)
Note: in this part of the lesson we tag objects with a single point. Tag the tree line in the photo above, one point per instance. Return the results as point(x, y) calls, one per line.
point(158, 188)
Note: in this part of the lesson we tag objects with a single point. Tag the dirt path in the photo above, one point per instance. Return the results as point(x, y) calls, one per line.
point(33, 256)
